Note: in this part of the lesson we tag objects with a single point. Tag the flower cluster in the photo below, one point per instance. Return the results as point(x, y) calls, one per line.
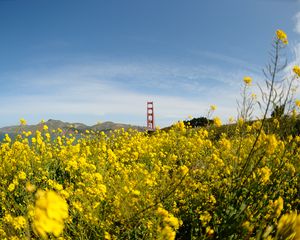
point(49, 213)
point(296, 70)
point(281, 36)
point(247, 80)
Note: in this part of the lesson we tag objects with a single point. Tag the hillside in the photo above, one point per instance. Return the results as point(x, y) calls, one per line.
point(66, 126)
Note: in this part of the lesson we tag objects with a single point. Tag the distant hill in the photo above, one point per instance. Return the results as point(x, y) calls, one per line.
point(69, 127)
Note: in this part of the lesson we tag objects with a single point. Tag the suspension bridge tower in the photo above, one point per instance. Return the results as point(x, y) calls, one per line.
point(150, 117)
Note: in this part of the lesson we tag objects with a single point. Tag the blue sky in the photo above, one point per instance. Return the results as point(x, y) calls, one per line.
point(96, 60)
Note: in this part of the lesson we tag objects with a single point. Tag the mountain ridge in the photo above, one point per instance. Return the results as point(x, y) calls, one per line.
point(54, 124)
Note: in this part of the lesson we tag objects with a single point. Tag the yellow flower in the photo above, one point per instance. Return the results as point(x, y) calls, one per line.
point(7, 138)
point(22, 175)
point(217, 121)
point(279, 206)
point(247, 80)
point(23, 121)
point(45, 127)
point(167, 233)
point(271, 144)
point(296, 70)
point(253, 96)
point(247, 226)
point(30, 187)
point(289, 226)
point(19, 222)
point(107, 236)
point(209, 231)
point(265, 174)
point(213, 107)
point(183, 169)
point(297, 103)
point(11, 187)
point(49, 214)
point(281, 35)
point(162, 212)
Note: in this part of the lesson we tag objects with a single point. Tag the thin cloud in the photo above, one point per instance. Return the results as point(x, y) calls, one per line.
point(110, 89)
point(297, 23)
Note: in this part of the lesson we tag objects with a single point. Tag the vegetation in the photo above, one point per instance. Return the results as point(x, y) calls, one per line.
point(239, 181)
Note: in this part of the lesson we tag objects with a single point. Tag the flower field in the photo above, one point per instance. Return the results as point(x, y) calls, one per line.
point(131, 185)
point(238, 181)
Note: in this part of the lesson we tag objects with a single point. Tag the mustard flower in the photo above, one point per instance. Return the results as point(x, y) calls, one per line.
point(167, 233)
point(107, 236)
point(247, 80)
point(281, 36)
point(265, 174)
point(19, 222)
point(11, 187)
point(217, 121)
point(279, 206)
point(209, 231)
point(296, 70)
point(22, 175)
point(289, 226)
point(213, 107)
point(30, 187)
point(23, 121)
point(50, 212)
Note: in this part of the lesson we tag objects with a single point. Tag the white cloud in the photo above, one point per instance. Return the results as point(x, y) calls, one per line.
point(111, 89)
point(297, 23)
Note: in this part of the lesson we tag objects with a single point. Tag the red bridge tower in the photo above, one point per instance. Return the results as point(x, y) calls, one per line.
point(150, 116)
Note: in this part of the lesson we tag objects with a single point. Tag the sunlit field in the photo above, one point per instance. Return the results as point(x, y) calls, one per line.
point(235, 181)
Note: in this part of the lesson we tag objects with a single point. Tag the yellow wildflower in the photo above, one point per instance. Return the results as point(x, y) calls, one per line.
point(107, 236)
point(22, 175)
point(205, 218)
point(183, 170)
point(247, 226)
point(167, 233)
point(50, 212)
point(19, 222)
point(23, 121)
point(281, 35)
point(30, 187)
point(162, 212)
point(11, 187)
point(209, 231)
point(217, 121)
point(271, 144)
point(289, 226)
point(296, 70)
point(213, 107)
point(279, 206)
point(7, 138)
point(247, 80)
point(265, 174)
